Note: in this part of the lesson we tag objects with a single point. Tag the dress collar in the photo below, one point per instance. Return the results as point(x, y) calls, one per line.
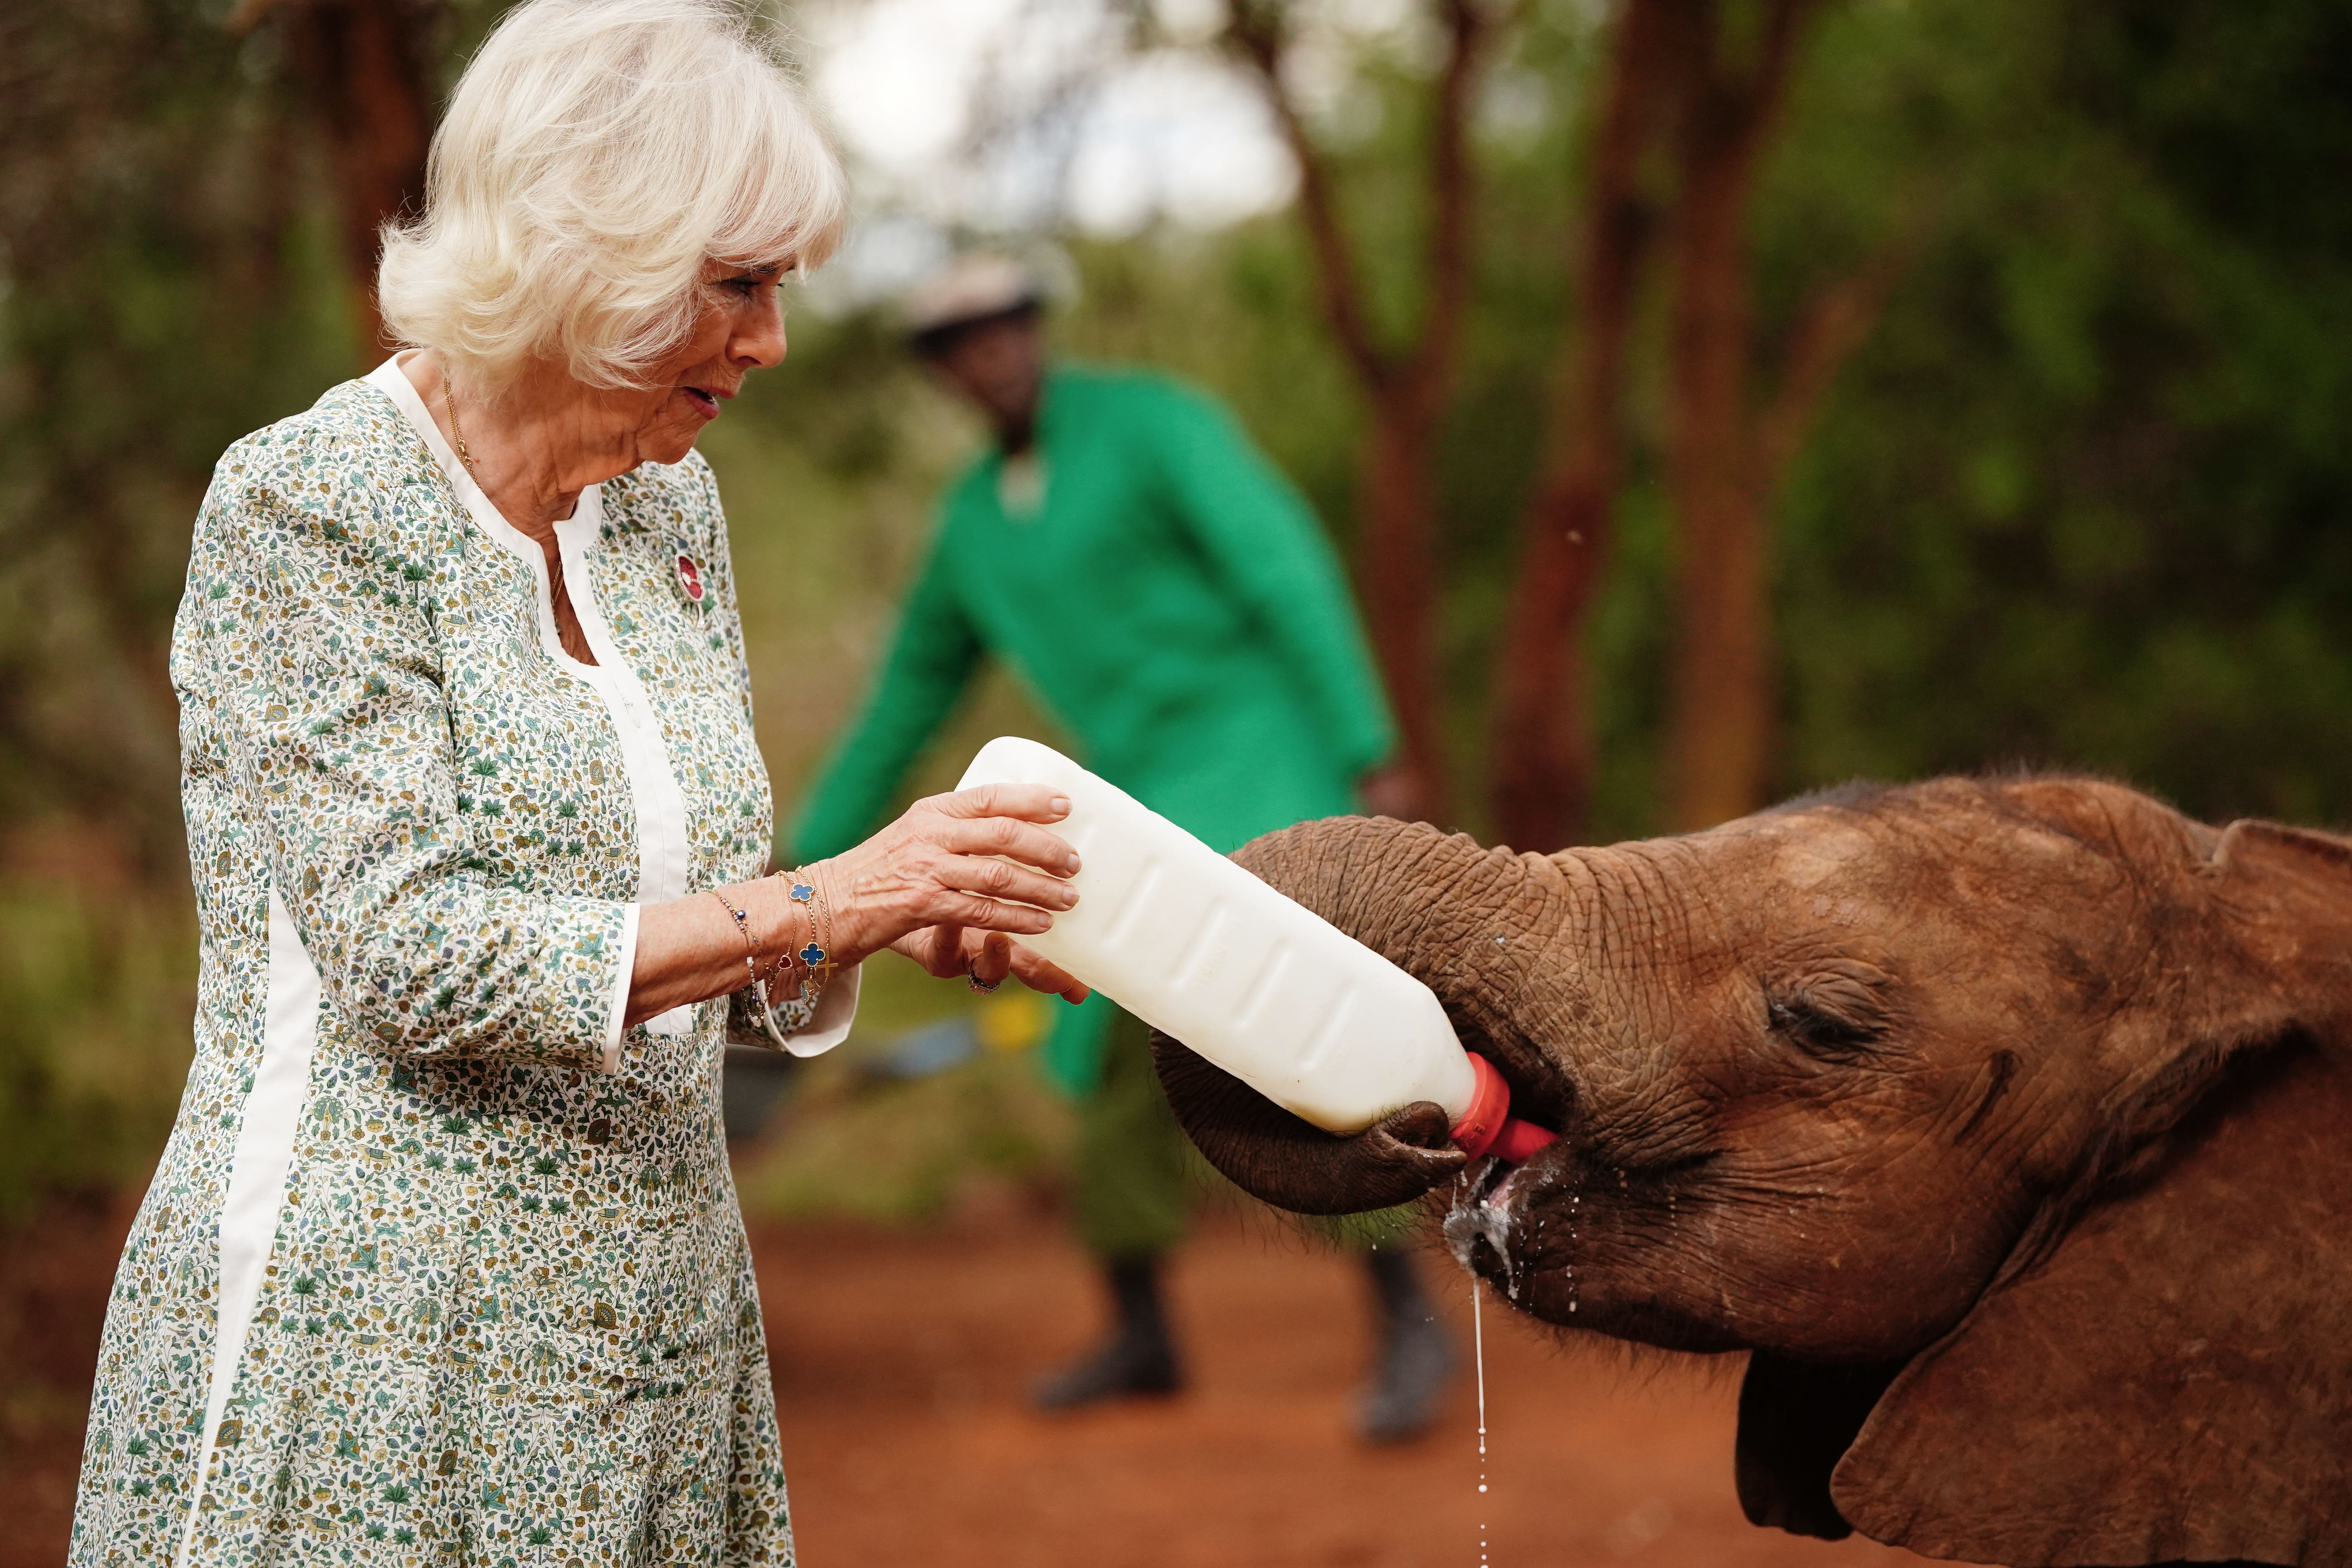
point(578, 530)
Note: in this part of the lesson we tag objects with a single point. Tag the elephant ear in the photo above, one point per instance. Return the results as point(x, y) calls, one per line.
point(1796, 1421)
point(2170, 1376)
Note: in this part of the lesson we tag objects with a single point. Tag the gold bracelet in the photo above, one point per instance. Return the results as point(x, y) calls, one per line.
point(816, 958)
point(752, 949)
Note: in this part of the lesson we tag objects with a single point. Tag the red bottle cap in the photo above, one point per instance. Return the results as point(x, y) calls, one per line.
point(1490, 1107)
point(1519, 1141)
point(1489, 1128)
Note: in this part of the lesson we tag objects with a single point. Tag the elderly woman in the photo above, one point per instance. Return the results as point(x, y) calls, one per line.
point(442, 1262)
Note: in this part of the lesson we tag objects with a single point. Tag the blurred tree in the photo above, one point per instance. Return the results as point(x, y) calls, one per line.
point(2083, 498)
point(363, 67)
point(158, 303)
point(1405, 387)
point(163, 290)
point(1541, 745)
point(1725, 453)
point(1694, 86)
point(164, 243)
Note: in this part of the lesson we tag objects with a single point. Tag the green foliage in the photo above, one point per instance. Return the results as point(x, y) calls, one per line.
point(95, 999)
point(902, 1154)
point(905, 1153)
point(2082, 501)
point(166, 289)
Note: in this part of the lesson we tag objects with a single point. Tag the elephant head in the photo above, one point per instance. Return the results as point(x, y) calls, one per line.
point(2009, 1123)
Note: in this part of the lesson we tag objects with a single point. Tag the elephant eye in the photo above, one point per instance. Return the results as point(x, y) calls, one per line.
point(1822, 1026)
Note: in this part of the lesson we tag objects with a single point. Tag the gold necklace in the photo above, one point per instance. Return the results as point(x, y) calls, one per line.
point(457, 431)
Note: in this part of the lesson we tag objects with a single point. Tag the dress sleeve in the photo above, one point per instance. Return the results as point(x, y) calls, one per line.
point(1263, 540)
point(931, 661)
point(804, 1029)
point(326, 670)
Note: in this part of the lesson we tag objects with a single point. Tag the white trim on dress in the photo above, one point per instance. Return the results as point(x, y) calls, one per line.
point(664, 852)
point(273, 1107)
point(662, 845)
point(258, 1171)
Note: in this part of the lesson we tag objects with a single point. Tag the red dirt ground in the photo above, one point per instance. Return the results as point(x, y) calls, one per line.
point(900, 1361)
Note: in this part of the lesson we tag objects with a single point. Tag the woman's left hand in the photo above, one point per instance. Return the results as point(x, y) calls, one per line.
point(954, 880)
point(986, 957)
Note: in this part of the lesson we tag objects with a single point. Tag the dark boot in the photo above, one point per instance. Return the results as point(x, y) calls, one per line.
point(1415, 1357)
point(1139, 1358)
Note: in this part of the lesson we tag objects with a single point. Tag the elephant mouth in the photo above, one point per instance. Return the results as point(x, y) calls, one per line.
point(1500, 1227)
point(1481, 1224)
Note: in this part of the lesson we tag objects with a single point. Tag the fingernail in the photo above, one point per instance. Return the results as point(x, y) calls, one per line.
point(1071, 865)
point(1062, 804)
point(1069, 899)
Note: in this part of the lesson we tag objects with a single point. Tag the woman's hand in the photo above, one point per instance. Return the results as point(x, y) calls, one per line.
point(951, 882)
point(987, 957)
point(929, 886)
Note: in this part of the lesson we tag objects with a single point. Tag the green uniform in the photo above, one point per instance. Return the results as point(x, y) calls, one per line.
point(1171, 602)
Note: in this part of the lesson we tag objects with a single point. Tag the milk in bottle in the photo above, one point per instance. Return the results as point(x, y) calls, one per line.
point(1261, 985)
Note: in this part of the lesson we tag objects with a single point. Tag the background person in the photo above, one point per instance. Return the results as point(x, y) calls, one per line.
point(1172, 602)
point(444, 1254)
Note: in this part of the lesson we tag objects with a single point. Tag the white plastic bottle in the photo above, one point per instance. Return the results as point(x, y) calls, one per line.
point(1262, 986)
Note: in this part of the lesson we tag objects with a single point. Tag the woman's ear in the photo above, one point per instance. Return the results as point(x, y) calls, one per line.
point(2172, 1380)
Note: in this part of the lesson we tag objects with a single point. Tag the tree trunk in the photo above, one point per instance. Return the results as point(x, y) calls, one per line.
point(1396, 565)
point(362, 67)
point(1720, 723)
point(1395, 512)
point(1721, 695)
point(1542, 788)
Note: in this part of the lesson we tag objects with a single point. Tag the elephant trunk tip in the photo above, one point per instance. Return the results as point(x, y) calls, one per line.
point(1487, 1127)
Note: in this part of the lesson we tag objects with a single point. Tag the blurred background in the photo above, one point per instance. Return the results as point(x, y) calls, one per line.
point(1713, 399)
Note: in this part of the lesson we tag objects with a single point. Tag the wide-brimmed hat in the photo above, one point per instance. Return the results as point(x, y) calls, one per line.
point(974, 287)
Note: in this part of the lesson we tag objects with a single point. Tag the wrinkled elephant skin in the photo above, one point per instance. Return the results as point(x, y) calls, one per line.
point(2008, 1123)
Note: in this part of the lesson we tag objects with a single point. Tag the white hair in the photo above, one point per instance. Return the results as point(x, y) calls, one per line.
point(596, 154)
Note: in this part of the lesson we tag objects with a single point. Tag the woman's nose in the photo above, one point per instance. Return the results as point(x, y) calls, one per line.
point(759, 344)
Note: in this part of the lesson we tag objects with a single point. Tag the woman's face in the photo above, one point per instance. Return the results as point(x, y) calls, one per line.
point(740, 329)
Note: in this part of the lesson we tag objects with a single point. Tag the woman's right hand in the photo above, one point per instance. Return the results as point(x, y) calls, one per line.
point(979, 860)
point(915, 886)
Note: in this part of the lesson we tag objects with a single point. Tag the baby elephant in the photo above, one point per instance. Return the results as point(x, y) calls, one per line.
point(2009, 1123)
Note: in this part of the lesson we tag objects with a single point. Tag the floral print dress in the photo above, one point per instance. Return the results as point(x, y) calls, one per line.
point(441, 1263)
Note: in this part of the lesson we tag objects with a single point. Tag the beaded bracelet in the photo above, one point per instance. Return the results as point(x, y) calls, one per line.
point(751, 948)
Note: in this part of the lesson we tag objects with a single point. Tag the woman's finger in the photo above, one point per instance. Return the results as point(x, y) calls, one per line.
point(986, 914)
point(942, 959)
point(1002, 881)
point(1010, 837)
point(990, 961)
point(1039, 974)
point(1029, 802)
point(944, 955)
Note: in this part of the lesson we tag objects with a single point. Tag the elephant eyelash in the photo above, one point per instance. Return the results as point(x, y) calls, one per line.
point(1681, 1165)
point(1818, 1032)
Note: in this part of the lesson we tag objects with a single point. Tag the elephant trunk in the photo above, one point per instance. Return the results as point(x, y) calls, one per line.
point(1423, 901)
